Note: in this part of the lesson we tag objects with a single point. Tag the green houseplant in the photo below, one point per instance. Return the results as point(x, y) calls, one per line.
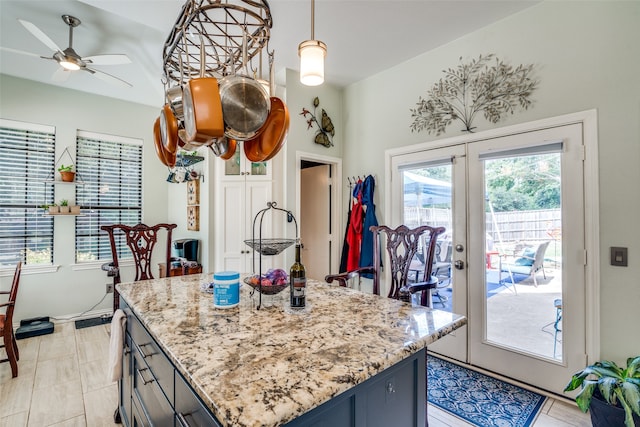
point(67, 173)
point(608, 389)
point(64, 206)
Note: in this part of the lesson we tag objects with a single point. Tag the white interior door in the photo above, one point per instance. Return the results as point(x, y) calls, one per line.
point(315, 220)
point(531, 326)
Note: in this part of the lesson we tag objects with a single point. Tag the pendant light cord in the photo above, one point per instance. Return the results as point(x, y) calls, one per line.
point(313, 7)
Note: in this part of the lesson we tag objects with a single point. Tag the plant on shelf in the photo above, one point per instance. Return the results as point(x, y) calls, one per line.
point(53, 208)
point(64, 206)
point(67, 174)
point(611, 393)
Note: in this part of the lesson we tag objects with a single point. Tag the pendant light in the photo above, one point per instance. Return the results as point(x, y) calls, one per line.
point(312, 53)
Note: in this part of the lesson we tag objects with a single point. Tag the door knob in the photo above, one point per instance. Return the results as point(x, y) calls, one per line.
point(459, 265)
point(459, 248)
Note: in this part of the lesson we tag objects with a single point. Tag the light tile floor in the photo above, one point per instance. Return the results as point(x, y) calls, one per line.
point(62, 382)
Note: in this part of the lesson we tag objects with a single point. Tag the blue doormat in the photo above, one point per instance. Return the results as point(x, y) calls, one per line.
point(478, 399)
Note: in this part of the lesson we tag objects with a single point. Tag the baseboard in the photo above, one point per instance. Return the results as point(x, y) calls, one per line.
point(87, 315)
point(73, 317)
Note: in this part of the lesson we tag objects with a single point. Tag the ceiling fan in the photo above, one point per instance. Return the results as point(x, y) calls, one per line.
point(69, 59)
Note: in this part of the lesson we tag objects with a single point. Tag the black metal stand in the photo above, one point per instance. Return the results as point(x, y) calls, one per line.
point(270, 246)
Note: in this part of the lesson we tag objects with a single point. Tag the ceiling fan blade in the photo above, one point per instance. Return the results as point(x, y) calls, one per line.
point(37, 32)
point(22, 52)
point(61, 75)
point(109, 59)
point(108, 78)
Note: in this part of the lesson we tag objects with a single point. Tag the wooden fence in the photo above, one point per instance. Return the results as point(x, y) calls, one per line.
point(510, 227)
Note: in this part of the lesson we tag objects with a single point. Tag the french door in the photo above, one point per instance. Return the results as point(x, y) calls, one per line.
point(514, 211)
point(432, 191)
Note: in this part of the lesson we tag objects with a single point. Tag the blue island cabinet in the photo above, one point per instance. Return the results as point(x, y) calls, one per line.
point(154, 393)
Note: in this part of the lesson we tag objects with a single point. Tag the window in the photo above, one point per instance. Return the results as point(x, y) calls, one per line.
point(111, 169)
point(27, 157)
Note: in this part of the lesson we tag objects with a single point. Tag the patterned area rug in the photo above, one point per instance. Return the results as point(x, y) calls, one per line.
point(478, 399)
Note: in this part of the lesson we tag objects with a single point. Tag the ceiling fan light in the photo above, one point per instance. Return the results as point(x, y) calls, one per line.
point(312, 54)
point(69, 65)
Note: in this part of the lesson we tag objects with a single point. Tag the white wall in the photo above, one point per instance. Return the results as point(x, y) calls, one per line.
point(301, 138)
point(71, 290)
point(587, 56)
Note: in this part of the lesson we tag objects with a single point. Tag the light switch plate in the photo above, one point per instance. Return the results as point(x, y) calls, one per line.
point(619, 256)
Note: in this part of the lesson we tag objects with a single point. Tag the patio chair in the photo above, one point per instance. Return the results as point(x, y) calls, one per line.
point(530, 261)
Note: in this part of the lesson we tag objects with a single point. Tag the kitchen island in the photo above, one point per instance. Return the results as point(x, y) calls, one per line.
point(275, 365)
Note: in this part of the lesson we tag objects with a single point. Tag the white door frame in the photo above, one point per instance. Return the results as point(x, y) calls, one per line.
point(336, 199)
point(589, 121)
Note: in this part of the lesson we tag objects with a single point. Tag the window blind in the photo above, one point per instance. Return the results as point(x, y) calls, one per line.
point(27, 158)
point(111, 169)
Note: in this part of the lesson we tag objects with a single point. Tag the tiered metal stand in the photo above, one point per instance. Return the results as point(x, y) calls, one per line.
point(269, 246)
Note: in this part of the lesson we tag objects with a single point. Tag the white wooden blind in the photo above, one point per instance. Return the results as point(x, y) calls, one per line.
point(111, 169)
point(27, 157)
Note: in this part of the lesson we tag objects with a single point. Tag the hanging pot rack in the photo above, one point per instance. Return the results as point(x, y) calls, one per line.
point(220, 28)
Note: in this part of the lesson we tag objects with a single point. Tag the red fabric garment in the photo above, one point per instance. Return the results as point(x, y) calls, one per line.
point(354, 232)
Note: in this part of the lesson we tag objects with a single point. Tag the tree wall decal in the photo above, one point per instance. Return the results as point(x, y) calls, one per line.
point(486, 85)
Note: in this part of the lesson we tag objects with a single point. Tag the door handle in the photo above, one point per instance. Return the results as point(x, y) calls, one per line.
point(459, 264)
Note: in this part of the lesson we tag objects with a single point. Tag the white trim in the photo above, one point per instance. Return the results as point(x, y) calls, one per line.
point(109, 138)
point(589, 121)
point(30, 269)
point(336, 196)
point(592, 234)
point(97, 265)
point(34, 127)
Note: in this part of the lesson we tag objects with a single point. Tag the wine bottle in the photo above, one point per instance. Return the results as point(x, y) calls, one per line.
point(297, 282)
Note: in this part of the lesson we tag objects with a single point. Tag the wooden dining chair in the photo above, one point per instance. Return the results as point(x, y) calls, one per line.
point(401, 245)
point(141, 240)
point(6, 323)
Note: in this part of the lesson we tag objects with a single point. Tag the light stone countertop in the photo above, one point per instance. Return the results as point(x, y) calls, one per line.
point(266, 367)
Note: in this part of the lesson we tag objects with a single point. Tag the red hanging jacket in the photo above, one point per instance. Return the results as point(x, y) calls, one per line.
point(354, 233)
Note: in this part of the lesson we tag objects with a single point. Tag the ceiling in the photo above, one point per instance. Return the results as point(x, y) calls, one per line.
point(362, 37)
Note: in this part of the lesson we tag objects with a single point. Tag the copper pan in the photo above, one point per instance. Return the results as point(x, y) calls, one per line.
point(157, 142)
point(201, 107)
point(271, 137)
point(231, 149)
point(169, 133)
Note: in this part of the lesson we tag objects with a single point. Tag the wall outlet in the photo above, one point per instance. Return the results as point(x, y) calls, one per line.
point(109, 288)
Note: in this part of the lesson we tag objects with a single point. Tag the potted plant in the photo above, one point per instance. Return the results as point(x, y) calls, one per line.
point(67, 173)
point(53, 209)
point(64, 206)
point(611, 393)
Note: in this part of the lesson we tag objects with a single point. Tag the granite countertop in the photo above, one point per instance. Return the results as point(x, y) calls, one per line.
point(266, 367)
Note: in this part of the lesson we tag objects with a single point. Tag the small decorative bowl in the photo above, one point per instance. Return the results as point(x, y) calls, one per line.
point(266, 290)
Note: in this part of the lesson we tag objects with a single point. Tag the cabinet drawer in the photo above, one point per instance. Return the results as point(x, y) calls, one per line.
point(148, 396)
point(125, 383)
point(147, 348)
point(190, 411)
